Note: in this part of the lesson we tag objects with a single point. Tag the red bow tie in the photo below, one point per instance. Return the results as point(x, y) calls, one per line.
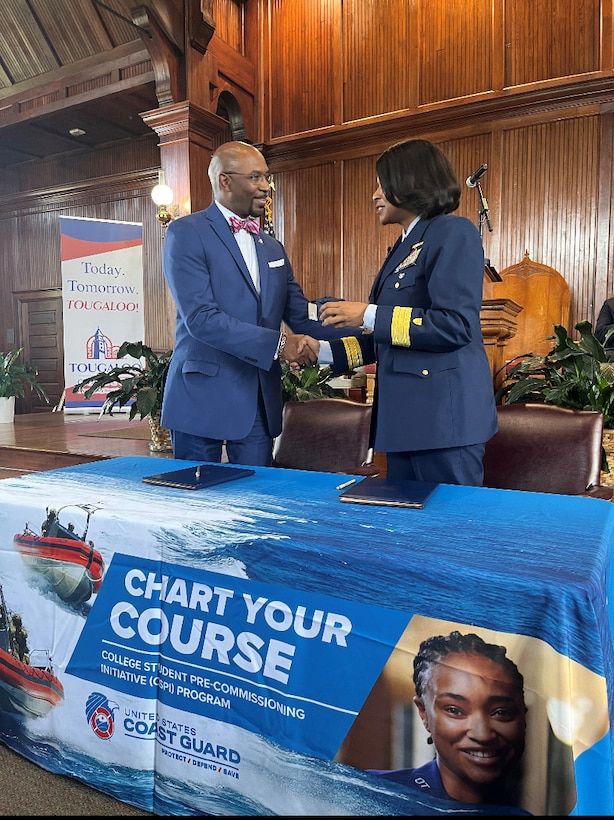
point(249, 224)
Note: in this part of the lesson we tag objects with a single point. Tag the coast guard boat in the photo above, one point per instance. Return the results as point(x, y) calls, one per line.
point(71, 565)
point(25, 687)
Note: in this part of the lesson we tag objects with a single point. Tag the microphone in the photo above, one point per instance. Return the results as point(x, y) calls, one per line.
point(472, 181)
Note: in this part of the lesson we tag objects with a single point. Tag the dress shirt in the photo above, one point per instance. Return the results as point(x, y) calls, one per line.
point(245, 241)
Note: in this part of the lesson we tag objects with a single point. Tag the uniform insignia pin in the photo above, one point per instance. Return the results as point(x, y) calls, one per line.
point(411, 259)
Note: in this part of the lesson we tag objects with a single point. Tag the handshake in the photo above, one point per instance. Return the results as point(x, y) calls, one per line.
point(300, 350)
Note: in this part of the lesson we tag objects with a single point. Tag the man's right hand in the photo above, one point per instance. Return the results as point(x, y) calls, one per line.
point(299, 350)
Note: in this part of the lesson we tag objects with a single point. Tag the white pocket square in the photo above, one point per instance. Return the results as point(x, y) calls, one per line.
point(277, 263)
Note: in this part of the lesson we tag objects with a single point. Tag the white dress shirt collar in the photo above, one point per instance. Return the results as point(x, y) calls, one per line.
point(407, 231)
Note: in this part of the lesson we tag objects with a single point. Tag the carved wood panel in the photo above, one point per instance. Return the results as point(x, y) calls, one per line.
point(544, 297)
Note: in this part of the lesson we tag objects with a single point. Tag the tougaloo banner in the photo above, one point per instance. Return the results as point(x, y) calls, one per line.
point(102, 293)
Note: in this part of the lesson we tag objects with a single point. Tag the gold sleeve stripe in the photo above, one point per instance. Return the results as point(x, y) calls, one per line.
point(401, 321)
point(352, 351)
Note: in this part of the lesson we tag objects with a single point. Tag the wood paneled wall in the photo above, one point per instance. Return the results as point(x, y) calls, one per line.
point(526, 88)
point(113, 184)
point(543, 191)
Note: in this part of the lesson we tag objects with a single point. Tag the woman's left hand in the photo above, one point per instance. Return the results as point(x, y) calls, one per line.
point(343, 314)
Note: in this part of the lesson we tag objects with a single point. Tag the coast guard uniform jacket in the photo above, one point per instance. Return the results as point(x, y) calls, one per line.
point(226, 333)
point(434, 385)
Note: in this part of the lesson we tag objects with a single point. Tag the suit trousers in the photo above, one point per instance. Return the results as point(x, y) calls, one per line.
point(255, 450)
point(452, 465)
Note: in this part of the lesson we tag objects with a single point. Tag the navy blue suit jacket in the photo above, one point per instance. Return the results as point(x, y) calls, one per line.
point(226, 333)
point(434, 385)
point(605, 321)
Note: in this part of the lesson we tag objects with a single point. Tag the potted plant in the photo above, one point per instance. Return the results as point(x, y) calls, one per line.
point(15, 378)
point(310, 382)
point(139, 385)
point(576, 375)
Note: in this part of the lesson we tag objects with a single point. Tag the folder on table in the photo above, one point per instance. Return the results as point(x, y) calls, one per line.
point(380, 490)
point(199, 477)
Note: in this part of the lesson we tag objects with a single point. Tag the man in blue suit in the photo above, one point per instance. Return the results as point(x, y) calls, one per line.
point(434, 405)
point(233, 287)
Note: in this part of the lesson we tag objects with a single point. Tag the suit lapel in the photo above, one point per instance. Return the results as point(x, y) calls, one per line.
point(388, 265)
point(397, 253)
point(220, 226)
point(263, 266)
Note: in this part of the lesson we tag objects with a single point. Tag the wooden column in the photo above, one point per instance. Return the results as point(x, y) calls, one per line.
point(188, 136)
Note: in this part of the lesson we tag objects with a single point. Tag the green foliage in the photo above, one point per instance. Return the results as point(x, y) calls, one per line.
point(307, 383)
point(17, 377)
point(144, 385)
point(573, 374)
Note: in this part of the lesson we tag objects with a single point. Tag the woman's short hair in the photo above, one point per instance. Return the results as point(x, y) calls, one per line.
point(416, 175)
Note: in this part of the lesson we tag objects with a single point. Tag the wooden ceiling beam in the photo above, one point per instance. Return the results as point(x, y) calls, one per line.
point(127, 66)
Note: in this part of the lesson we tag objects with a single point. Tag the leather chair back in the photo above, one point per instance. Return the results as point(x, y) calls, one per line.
point(326, 435)
point(547, 449)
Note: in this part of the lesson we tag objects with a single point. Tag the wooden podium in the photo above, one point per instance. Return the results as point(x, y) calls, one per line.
point(499, 325)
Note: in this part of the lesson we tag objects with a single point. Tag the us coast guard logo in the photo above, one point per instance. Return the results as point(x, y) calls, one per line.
point(99, 712)
point(411, 259)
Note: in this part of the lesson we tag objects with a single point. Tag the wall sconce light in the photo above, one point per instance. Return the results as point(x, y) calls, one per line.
point(162, 195)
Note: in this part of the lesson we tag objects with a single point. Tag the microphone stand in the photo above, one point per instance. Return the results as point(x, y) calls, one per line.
point(482, 211)
point(483, 216)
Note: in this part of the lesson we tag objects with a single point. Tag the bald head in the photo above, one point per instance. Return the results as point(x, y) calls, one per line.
point(238, 174)
point(231, 156)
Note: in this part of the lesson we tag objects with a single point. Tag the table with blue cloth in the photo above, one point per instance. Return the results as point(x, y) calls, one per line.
point(247, 649)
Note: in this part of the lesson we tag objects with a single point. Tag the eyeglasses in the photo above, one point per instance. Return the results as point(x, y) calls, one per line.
point(253, 177)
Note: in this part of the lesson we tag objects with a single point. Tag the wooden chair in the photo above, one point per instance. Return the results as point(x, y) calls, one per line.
point(546, 449)
point(327, 435)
